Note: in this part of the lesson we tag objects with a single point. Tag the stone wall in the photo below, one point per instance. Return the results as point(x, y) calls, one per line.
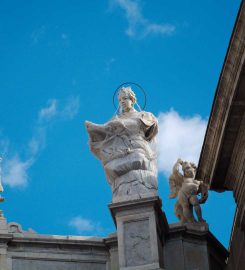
point(193, 246)
point(38, 252)
point(27, 250)
point(185, 247)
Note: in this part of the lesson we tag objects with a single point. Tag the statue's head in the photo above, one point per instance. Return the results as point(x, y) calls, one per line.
point(189, 169)
point(126, 98)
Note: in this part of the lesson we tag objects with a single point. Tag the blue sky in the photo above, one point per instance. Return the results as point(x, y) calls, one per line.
point(60, 63)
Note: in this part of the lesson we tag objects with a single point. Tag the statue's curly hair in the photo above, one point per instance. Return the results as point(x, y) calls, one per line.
point(187, 163)
point(127, 91)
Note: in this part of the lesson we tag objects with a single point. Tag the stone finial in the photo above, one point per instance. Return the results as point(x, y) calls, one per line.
point(1, 187)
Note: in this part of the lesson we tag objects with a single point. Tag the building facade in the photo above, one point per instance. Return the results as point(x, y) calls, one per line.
point(144, 239)
point(222, 161)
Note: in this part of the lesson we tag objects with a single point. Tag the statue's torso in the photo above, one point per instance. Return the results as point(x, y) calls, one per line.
point(125, 134)
point(189, 186)
point(123, 146)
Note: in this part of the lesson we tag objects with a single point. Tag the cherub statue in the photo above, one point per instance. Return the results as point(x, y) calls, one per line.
point(187, 188)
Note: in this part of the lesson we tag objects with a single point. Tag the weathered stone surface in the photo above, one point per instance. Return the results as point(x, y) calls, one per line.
point(19, 264)
point(185, 187)
point(3, 225)
point(144, 242)
point(140, 228)
point(222, 155)
point(123, 146)
point(4, 238)
point(111, 243)
point(137, 242)
point(192, 246)
point(222, 159)
point(29, 251)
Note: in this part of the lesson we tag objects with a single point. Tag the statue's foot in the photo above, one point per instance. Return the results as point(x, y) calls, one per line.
point(190, 220)
point(201, 220)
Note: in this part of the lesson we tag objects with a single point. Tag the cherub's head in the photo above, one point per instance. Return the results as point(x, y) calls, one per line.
point(126, 98)
point(189, 169)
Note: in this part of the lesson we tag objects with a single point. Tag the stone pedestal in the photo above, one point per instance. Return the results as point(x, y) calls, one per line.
point(141, 227)
point(4, 238)
point(193, 246)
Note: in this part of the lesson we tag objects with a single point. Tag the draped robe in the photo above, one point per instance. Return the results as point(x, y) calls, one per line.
point(124, 147)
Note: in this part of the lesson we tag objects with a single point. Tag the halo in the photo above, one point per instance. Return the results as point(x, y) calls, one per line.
point(129, 84)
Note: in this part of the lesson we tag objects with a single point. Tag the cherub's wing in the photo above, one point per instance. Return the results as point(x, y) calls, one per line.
point(175, 183)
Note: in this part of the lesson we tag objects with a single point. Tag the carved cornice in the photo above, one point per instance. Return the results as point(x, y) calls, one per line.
point(221, 110)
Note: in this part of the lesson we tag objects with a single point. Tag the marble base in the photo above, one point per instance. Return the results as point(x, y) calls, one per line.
point(141, 227)
point(192, 246)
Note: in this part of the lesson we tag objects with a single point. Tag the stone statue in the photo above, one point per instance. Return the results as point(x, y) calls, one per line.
point(187, 188)
point(123, 145)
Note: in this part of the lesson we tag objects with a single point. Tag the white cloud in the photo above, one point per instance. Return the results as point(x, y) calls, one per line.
point(85, 226)
point(37, 142)
point(159, 29)
point(54, 110)
point(138, 25)
point(71, 108)
point(15, 172)
point(48, 112)
point(179, 137)
point(15, 168)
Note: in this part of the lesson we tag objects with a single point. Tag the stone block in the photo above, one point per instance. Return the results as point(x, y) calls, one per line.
point(141, 225)
point(193, 247)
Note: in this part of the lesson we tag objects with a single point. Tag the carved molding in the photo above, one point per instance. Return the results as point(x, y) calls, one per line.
point(223, 100)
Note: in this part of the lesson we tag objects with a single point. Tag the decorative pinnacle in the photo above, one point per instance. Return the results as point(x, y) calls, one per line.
point(1, 187)
point(1, 159)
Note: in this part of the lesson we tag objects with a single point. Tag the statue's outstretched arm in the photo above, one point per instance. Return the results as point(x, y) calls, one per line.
point(96, 132)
